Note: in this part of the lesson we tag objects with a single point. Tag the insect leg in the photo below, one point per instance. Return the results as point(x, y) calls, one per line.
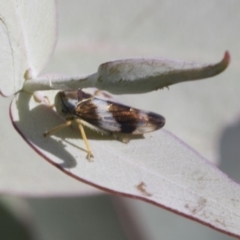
point(122, 139)
point(39, 98)
point(100, 93)
point(59, 127)
point(89, 153)
point(49, 102)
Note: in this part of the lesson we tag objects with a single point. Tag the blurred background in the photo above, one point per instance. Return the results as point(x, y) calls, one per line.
point(205, 114)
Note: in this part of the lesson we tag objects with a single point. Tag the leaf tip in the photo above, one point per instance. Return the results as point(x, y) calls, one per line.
point(226, 59)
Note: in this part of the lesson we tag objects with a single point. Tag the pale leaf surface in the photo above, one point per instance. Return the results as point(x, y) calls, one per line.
point(27, 37)
point(128, 76)
point(145, 75)
point(158, 168)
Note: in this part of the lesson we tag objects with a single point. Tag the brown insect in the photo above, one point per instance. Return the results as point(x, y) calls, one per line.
point(103, 115)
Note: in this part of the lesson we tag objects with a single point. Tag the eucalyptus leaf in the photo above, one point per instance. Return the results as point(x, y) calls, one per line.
point(27, 37)
point(132, 75)
point(157, 168)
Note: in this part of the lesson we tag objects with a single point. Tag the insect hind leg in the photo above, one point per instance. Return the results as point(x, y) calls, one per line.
point(123, 139)
point(81, 128)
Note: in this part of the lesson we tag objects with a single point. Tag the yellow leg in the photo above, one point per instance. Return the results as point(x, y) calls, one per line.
point(66, 124)
point(42, 99)
point(89, 153)
point(48, 102)
point(59, 127)
point(122, 139)
point(101, 94)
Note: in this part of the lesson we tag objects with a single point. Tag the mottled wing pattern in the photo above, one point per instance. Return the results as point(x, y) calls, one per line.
point(115, 117)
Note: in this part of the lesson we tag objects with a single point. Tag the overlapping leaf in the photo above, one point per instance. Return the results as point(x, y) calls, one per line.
point(27, 37)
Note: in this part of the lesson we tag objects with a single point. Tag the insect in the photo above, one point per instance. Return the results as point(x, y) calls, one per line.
point(103, 115)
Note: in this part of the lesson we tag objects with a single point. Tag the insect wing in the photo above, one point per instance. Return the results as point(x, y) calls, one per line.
point(115, 117)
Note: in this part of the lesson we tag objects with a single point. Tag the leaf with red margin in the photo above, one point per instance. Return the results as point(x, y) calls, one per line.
point(159, 168)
